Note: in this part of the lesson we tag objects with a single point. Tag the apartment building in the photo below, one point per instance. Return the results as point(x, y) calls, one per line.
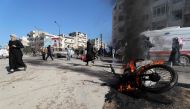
point(118, 22)
point(98, 43)
point(24, 41)
point(80, 39)
point(38, 39)
point(167, 13)
point(157, 14)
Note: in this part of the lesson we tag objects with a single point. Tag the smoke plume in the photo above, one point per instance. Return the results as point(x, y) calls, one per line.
point(134, 25)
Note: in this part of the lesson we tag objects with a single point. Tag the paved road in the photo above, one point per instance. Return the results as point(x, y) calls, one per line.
point(60, 84)
point(54, 84)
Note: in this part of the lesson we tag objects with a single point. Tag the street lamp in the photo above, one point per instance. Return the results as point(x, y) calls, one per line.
point(58, 27)
point(59, 33)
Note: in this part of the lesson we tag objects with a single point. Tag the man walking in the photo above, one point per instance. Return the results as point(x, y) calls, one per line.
point(49, 53)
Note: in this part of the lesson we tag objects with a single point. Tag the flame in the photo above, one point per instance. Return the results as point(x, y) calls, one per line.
point(132, 66)
point(127, 86)
point(158, 62)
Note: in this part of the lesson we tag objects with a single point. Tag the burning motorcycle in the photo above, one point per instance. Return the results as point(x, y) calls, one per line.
point(155, 77)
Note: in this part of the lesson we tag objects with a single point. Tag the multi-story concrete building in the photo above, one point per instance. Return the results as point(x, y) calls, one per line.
point(97, 43)
point(38, 39)
point(80, 39)
point(68, 40)
point(157, 14)
point(118, 22)
point(187, 13)
point(167, 13)
point(24, 41)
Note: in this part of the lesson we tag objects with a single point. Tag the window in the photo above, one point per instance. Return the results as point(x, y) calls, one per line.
point(163, 10)
point(120, 6)
point(159, 10)
point(114, 17)
point(120, 18)
point(177, 15)
point(121, 29)
point(154, 12)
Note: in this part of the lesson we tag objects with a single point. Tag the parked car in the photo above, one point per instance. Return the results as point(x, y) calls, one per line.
point(59, 54)
point(4, 53)
point(62, 53)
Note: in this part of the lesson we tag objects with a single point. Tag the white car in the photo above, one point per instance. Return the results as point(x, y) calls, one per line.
point(4, 53)
point(59, 54)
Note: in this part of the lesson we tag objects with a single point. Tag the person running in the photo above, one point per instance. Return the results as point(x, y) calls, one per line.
point(49, 53)
point(15, 54)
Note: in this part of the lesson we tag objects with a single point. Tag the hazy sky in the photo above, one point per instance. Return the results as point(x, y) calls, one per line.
point(89, 16)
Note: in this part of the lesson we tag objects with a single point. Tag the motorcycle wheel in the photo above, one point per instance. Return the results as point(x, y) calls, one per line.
point(157, 78)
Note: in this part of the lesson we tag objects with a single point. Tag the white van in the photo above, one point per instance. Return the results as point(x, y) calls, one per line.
point(162, 39)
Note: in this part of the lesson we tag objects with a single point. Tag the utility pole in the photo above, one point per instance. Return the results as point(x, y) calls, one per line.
point(59, 27)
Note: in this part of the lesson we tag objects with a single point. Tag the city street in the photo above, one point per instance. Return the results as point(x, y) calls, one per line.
point(60, 84)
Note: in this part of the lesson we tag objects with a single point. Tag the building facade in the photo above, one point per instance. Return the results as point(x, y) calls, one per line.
point(24, 41)
point(118, 22)
point(80, 39)
point(167, 13)
point(97, 43)
point(157, 14)
point(39, 39)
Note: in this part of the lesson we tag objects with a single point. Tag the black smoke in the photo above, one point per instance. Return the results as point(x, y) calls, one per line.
point(134, 26)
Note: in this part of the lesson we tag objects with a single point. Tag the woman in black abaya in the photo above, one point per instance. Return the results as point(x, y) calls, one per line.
point(15, 54)
point(90, 53)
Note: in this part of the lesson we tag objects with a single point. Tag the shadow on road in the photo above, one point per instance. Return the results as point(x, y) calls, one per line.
point(185, 85)
point(177, 98)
